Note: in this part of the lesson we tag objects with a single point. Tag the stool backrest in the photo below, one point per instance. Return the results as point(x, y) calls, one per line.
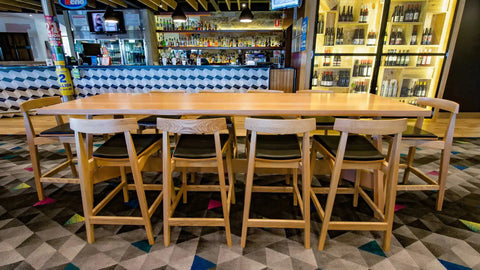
point(265, 91)
point(29, 105)
point(287, 126)
point(169, 91)
point(103, 126)
point(440, 104)
point(192, 126)
point(316, 91)
point(371, 127)
point(217, 91)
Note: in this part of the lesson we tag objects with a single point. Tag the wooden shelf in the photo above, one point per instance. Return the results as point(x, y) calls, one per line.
point(406, 23)
point(220, 31)
point(331, 67)
point(408, 67)
point(351, 24)
point(220, 48)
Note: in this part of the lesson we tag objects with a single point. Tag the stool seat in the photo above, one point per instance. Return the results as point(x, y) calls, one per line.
point(417, 133)
point(197, 146)
point(227, 118)
point(278, 147)
point(151, 121)
point(115, 147)
point(358, 147)
point(63, 129)
point(322, 121)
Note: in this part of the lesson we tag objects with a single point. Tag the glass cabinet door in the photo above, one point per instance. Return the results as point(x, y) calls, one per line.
point(112, 48)
point(134, 52)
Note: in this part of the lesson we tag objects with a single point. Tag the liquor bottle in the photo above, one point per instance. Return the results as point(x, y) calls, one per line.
point(416, 14)
point(429, 58)
point(429, 36)
point(365, 15)
point(320, 25)
point(369, 68)
point(399, 37)
point(413, 39)
point(360, 16)
point(407, 59)
point(342, 15)
point(401, 16)
point(315, 79)
point(355, 69)
point(341, 36)
point(350, 14)
point(397, 14)
point(393, 38)
point(425, 36)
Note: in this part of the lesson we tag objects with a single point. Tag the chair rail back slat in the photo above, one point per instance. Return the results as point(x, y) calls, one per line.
point(287, 126)
point(103, 126)
point(442, 104)
point(191, 126)
point(376, 127)
point(38, 103)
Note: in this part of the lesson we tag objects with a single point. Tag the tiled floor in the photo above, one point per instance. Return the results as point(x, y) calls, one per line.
point(51, 234)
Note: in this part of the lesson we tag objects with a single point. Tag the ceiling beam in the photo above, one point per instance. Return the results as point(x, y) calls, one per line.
point(107, 3)
point(228, 4)
point(14, 4)
point(239, 6)
point(170, 3)
point(149, 4)
point(119, 2)
point(204, 4)
point(30, 2)
point(10, 8)
point(250, 4)
point(158, 3)
point(193, 4)
point(91, 3)
point(215, 5)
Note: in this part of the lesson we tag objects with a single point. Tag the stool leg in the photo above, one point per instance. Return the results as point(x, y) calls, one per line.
point(142, 200)
point(248, 200)
point(295, 184)
point(442, 177)
point(123, 176)
point(410, 158)
point(68, 151)
point(306, 202)
point(37, 173)
point(329, 205)
point(192, 177)
point(231, 177)
point(391, 194)
point(184, 184)
point(358, 179)
point(223, 194)
point(86, 190)
point(166, 176)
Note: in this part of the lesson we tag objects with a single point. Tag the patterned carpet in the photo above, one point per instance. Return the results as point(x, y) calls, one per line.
point(51, 234)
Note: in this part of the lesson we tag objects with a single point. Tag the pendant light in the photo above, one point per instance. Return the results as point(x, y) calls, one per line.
point(110, 16)
point(178, 15)
point(246, 16)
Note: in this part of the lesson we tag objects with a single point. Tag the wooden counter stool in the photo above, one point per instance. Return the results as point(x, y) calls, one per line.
point(121, 150)
point(281, 150)
point(196, 147)
point(415, 137)
point(357, 152)
point(59, 134)
point(324, 123)
point(150, 122)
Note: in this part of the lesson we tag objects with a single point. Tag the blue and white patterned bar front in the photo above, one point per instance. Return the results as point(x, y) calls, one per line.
point(18, 84)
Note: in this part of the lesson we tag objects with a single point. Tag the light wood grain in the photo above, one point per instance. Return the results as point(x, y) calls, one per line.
point(282, 79)
point(381, 127)
point(286, 126)
point(316, 91)
point(265, 91)
point(255, 104)
point(188, 126)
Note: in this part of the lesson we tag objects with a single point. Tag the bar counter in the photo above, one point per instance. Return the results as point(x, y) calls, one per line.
point(18, 84)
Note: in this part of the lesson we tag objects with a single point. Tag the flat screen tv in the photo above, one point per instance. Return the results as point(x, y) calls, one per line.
point(98, 25)
point(281, 4)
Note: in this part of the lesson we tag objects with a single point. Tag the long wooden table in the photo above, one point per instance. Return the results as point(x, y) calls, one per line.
point(251, 104)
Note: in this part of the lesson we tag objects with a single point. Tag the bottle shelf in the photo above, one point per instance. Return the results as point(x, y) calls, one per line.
point(407, 67)
point(220, 48)
point(405, 23)
point(221, 31)
point(352, 24)
point(331, 67)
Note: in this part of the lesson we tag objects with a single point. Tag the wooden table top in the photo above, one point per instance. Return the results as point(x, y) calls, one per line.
point(238, 104)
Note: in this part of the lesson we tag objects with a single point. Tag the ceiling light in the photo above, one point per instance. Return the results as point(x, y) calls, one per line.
point(110, 16)
point(246, 16)
point(178, 15)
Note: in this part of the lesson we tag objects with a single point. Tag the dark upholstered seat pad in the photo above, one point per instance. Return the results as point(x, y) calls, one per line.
point(413, 132)
point(323, 120)
point(196, 146)
point(151, 121)
point(278, 147)
point(227, 118)
point(115, 147)
point(358, 147)
point(58, 130)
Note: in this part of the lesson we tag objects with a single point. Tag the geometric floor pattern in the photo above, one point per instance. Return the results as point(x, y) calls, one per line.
point(51, 234)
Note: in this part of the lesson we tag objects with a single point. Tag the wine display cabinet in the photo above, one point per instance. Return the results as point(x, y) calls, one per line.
point(393, 48)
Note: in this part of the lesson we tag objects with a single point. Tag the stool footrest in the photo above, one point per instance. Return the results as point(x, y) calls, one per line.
point(357, 226)
point(276, 223)
point(196, 222)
